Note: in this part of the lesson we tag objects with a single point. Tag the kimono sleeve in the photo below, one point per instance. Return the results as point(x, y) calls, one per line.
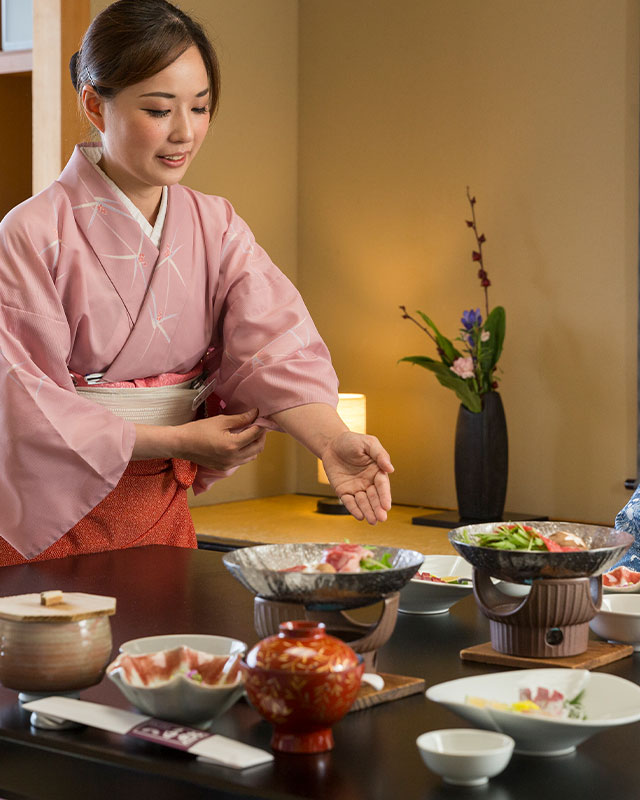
point(60, 454)
point(268, 353)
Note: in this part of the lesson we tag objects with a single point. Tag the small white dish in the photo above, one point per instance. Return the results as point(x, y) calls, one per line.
point(619, 619)
point(513, 589)
point(432, 597)
point(607, 701)
point(465, 757)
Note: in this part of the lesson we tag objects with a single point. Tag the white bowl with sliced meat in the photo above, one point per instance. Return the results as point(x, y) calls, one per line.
point(621, 580)
point(185, 678)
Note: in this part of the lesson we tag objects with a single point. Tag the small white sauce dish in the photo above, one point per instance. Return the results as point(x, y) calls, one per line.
point(465, 757)
point(619, 619)
point(433, 597)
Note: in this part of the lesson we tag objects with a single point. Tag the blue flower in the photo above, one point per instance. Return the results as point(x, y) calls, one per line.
point(471, 318)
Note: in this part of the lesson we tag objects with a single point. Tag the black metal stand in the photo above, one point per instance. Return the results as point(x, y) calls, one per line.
point(451, 519)
point(331, 506)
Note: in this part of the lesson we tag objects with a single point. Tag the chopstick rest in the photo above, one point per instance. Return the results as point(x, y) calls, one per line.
point(210, 747)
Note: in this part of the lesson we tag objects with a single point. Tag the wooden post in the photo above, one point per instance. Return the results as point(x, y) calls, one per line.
point(58, 26)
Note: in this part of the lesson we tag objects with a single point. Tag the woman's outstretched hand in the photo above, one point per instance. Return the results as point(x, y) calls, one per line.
point(358, 467)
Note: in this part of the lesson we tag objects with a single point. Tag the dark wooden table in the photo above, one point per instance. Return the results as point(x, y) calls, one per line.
point(167, 590)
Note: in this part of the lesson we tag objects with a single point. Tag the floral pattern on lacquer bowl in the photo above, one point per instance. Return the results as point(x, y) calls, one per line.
point(302, 681)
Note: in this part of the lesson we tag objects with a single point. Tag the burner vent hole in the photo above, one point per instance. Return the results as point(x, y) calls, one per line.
point(554, 636)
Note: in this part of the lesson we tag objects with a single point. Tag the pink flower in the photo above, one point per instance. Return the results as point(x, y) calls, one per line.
point(485, 336)
point(463, 367)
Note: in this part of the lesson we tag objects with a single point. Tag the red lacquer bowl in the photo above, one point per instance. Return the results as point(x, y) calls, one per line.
point(302, 681)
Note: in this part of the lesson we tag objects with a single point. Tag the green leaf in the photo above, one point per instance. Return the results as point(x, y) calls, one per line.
point(492, 349)
point(450, 380)
point(443, 343)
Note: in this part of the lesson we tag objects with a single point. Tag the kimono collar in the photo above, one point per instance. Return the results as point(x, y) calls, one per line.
point(93, 153)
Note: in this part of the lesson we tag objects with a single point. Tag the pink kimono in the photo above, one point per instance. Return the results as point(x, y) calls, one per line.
point(83, 290)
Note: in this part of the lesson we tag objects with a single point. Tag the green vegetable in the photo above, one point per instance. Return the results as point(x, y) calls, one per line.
point(508, 536)
point(574, 707)
point(370, 563)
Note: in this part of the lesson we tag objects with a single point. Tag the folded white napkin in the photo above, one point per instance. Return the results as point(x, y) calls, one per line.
point(209, 747)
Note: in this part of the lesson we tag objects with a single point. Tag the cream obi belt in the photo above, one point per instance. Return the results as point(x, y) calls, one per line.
point(162, 405)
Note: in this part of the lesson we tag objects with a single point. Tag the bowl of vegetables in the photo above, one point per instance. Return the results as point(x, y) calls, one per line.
point(522, 552)
point(323, 576)
point(439, 583)
point(548, 712)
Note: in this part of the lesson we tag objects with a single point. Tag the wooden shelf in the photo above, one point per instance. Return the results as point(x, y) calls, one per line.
point(15, 61)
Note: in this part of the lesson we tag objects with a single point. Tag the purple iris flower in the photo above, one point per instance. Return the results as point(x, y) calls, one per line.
point(471, 318)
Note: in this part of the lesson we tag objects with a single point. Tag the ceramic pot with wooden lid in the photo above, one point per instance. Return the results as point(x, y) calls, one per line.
point(54, 641)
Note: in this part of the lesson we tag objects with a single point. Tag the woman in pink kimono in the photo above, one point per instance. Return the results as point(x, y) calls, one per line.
point(135, 309)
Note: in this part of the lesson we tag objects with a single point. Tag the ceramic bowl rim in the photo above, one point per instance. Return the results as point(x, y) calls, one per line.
point(176, 681)
point(325, 545)
point(618, 612)
point(231, 639)
point(503, 743)
point(456, 586)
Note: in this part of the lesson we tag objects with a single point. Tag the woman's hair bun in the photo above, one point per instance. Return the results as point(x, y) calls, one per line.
point(73, 70)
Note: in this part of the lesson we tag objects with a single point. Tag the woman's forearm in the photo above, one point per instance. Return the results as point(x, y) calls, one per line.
point(156, 441)
point(314, 425)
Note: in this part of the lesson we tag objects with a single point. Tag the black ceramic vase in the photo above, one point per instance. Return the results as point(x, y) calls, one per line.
point(481, 461)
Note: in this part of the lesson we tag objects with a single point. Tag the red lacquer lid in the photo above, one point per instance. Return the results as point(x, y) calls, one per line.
point(302, 646)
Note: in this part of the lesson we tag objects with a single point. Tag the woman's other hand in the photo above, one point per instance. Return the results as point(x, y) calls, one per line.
point(221, 442)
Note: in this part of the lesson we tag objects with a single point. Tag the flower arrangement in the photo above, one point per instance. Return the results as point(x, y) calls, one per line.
point(468, 368)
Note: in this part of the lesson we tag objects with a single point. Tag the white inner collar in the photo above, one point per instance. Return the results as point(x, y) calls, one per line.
point(93, 154)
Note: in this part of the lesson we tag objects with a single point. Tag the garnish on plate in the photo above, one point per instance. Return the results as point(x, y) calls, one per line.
point(449, 579)
point(544, 703)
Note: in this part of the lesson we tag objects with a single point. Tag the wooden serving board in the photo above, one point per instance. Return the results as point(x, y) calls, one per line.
point(395, 687)
point(596, 655)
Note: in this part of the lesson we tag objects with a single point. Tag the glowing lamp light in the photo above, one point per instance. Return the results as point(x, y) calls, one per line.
point(352, 409)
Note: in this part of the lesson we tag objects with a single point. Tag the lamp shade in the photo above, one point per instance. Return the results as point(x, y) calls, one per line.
point(352, 409)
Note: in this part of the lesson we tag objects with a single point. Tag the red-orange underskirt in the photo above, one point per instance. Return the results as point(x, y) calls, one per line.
point(148, 506)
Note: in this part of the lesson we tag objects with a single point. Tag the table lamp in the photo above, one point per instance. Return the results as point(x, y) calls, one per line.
point(352, 408)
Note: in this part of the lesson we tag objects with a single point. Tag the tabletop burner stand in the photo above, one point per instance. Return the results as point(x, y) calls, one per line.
point(551, 621)
point(364, 637)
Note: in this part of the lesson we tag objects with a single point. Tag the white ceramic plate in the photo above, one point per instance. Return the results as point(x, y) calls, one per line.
point(431, 597)
point(608, 701)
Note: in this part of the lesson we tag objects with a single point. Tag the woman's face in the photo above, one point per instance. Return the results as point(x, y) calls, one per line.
point(152, 130)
